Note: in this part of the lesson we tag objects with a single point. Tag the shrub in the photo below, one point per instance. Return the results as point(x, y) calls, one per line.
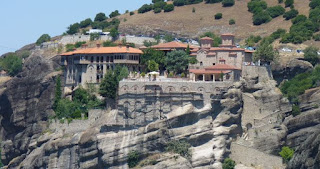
point(79, 44)
point(316, 37)
point(168, 8)
point(157, 10)
point(227, 3)
point(114, 14)
point(193, 10)
point(288, 3)
point(12, 64)
point(145, 8)
point(170, 74)
point(85, 23)
point(252, 40)
point(143, 74)
point(218, 16)
point(228, 163)
point(290, 14)
point(277, 34)
point(179, 147)
point(276, 11)
point(311, 55)
point(73, 28)
point(261, 17)
point(168, 38)
point(193, 1)
point(280, 1)
point(286, 153)
point(299, 19)
point(314, 4)
point(255, 6)
point(232, 22)
point(131, 13)
point(133, 158)
point(183, 75)
point(179, 2)
point(108, 44)
point(159, 5)
point(43, 38)
point(295, 110)
point(212, 1)
point(216, 39)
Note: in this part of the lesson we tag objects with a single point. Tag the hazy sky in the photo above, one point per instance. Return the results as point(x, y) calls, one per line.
point(24, 21)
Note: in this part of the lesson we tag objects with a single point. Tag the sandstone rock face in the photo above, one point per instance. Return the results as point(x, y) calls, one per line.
point(25, 107)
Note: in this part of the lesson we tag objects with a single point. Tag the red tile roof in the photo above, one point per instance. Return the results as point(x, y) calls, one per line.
point(227, 34)
point(206, 38)
point(172, 45)
point(222, 67)
point(104, 50)
point(226, 49)
point(204, 71)
point(249, 51)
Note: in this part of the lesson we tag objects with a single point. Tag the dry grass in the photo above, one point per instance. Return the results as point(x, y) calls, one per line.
point(184, 22)
point(4, 79)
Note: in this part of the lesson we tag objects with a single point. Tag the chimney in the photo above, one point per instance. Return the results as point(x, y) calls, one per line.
point(98, 45)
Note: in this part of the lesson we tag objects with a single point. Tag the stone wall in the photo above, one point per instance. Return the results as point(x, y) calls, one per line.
point(79, 38)
point(139, 98)
point(252, 157)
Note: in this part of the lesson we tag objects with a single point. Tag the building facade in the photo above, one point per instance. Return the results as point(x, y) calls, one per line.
point(226, 53)
point(89, 65)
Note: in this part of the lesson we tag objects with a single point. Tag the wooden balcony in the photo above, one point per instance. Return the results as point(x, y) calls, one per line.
point(125, 61)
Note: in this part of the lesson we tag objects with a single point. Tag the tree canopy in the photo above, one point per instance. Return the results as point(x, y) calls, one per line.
point(12, 64)
point(100, 17)
point(43, 38)
point(311, 55)
point(265, 53)
point(177, 61)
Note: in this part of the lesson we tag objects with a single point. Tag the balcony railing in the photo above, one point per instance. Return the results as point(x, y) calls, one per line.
point(125, 61)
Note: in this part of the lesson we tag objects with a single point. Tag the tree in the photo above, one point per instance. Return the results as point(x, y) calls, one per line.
point(193, 60)
point(114, 33)
point(218, 16)
point(276, 11)
point(168, 38)
point(261, 17)
point(155, 55)
point(265, 53)
point(291, 14)
point(133, 158)
point(145, 8)
point(12, 64)
point(100, 17)
point(153, 66)
point(228, 163)
point(43, 38)
point(216, 39)
point(85, 23)
point(314, 4)
point(179, 2)
point(288, 3)
point(131, 13)
point(227, 3)
point(73, 29)
point(311, 55)
point(177, 61)
point(232, 22)
point(114, 14)
point(212, 1)
point(58, 93)
point(108, 44)
point(159, 4)
point(286, 153)
point(168, 8)
point(157, 10)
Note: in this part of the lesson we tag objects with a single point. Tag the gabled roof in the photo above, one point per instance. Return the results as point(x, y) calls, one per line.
point(104, 50)
point(204, 71)
point(172, 45)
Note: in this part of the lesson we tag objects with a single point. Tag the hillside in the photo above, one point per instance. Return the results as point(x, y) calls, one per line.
point(184, 22)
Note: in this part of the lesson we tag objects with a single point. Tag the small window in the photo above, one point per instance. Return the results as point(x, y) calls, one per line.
point(201, 64)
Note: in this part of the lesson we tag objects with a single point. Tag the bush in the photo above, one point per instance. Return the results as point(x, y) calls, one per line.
point(145, 8)
point(228, 163)
point(212, 1)
point(193, 10)
point(311, 55)
point(295, 110)
point(299, 19)
point(133, 158)
point(159, 5)
point(218, 16)
point(131, 13)
point(290, 14)
point(114, 14)
point(252, 40)
point(316, 37)
point(179, 147)
point(168, 8)
point(232, 22)
point(227, 3)
point(216, 39)
point(108, 44)
point(73, 29)
point(79, 44)
point(85, 23)
point(12, 64)
point(183, 75)
point(276, 11)
point(288, 3)
point(188, 2)
point(255, 6)
point(261, 17)
point(43, 38)
point(286, 153)
point(179, 2)
point(157, 10)
point(280, 1)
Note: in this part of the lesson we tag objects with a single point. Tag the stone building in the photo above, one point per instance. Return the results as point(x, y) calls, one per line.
point(171, 46)
point(88, 65)
point(226, 53)
point(218, 72)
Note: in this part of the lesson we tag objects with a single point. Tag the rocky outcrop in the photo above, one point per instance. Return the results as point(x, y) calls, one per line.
point(25, 107)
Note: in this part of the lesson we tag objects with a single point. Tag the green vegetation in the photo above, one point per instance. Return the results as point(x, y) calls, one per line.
point(177, 61)
point(288, 3)
point(168, 38)
point(261, 17)
point(295, 110)
point(212, 1)
point(311, 55)
point(145, 8)
point(252, 40)
point(265, 53)
point(108, 44)
point(179, 2)
point(314, 4)
point(114, 33)
point(153, 55)
point(114, 14)
point(12, 63)
point(159, 4)
point(290, 14)
point(179, 147)
point(153, 66)
point(100, 17)
point(193, 10)
point(85, 23)
point(286, 153)
point(79, 44)
point(110, 83)
point(276, 11)
point(149, 43)
point(316, 37)
point(228, 163)
point(301, 82)
point(73, 29)
point(168, 8)
point(218, 16)
point(131, 13)
point(232, 22)
point(70, 47)
point(43, 38)
point(256, 6)
point(157, 10)
point(227, 3)
point(133, 158)
point(216, 39)
point(58, 92)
